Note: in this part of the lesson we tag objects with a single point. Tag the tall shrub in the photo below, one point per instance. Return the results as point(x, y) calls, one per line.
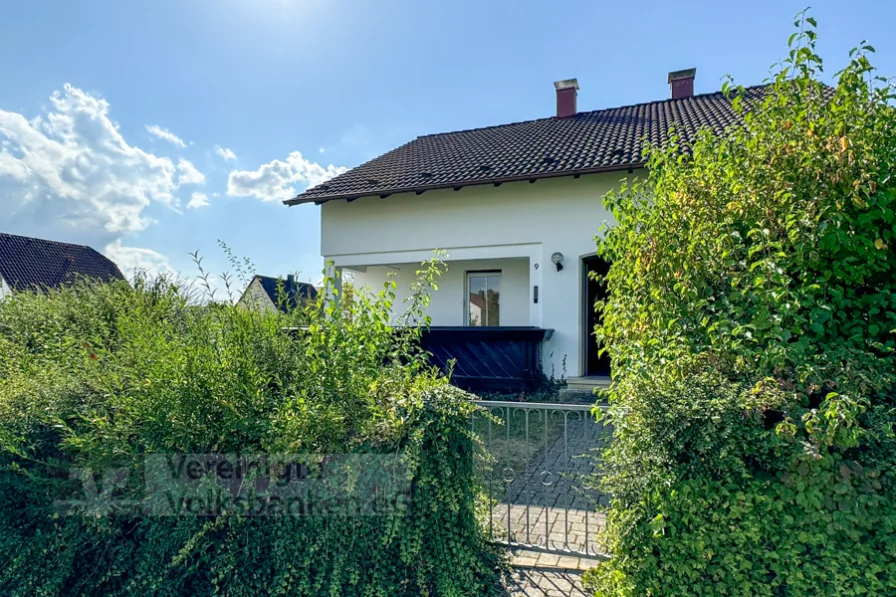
point(101, 377)
point(752, 324)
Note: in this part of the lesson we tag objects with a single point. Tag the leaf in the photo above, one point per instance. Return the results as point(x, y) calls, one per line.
point(658, 525)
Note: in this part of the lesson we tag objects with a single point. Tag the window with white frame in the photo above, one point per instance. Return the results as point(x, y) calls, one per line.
point(483, 306)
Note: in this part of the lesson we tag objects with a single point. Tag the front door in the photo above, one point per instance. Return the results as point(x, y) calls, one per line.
point(594, 290)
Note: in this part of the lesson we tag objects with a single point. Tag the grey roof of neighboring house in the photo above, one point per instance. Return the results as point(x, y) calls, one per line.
point(588, 142)
point(294, 291)
point(33, 263)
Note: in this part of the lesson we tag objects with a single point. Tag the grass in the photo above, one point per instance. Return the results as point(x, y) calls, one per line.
point(511, 441)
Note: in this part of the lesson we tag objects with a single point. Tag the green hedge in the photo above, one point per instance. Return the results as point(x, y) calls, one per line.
point(98, 377)
point(751, 321)
point(711, 501)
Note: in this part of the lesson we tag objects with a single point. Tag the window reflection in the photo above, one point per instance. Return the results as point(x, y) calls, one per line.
point(484, 305)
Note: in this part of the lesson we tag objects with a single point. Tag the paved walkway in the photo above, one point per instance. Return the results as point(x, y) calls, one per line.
point(540, 582)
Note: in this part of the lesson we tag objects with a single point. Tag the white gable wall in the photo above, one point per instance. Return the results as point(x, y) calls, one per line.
point(5, 290)
point(525, 221)
point(256, 299)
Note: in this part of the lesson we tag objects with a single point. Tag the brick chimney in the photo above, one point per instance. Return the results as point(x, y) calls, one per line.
point(682, 82)
point(566, 97)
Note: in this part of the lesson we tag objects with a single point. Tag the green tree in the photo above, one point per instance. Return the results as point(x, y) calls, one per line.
point(751, 320)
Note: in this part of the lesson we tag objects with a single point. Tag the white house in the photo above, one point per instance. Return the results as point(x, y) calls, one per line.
point(516, 207)
point(267, 294)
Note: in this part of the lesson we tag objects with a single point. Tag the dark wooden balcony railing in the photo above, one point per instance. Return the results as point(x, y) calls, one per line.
point(496, 359)
point(488, 358)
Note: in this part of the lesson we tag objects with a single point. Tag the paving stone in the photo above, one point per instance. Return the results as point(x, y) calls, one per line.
point(524, 562)
point(568, 562)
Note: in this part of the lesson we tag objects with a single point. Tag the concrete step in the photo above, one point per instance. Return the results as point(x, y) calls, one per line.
point(581, 389)
point(547, 581)
point(531, 559)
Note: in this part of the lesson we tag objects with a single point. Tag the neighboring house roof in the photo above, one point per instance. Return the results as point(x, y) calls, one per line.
point(33, 263)
point(294, 291)
point(587, 142)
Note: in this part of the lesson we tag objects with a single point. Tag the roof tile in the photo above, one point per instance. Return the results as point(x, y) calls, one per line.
point(33, 263)
point(595, 141)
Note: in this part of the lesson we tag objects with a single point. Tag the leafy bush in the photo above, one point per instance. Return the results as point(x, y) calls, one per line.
point(100, 377)
point(751, 320)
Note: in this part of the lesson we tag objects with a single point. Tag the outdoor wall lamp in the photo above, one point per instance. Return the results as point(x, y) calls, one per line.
point(557, 258)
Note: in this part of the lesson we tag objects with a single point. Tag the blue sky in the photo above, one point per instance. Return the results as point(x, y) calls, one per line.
point(337, 81)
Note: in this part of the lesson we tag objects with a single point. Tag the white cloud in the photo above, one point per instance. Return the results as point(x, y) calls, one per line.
point(322, 149)
point(165, 134)
point(188, 174)
point(198, 200)
point(225, 153)
point(73, 163)
point(277, 180)
point(69, 175)
point(133, 260)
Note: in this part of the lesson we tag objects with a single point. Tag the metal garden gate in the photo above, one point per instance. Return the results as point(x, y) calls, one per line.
point(538, 475)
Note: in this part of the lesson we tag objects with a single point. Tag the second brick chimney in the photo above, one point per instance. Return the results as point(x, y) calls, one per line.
point(566, 97)
point(681, 82)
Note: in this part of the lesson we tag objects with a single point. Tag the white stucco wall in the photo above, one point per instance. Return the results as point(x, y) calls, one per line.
point(5, 290)
point(526, 222)
point(448, 305)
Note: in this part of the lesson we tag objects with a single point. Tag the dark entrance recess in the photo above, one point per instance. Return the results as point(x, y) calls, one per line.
point(595, 365)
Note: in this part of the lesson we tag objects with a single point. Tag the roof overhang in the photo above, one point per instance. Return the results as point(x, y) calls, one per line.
point(383, 193)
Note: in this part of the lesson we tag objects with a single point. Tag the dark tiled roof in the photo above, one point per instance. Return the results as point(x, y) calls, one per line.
point(33, 263)
point(598, 141)
point(294, 291)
